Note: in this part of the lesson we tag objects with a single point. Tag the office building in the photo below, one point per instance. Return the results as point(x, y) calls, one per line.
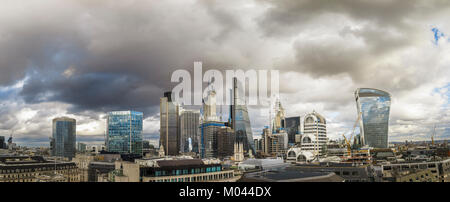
point(124, 132)
point(36, 169)
point(292, 128)
point(225, 142)
point(82, 162)
point(186, 170)
point(169, 125)
point(97, 168)
point(373, 105)
point(64, 137)
point(208, 133)
point(277, 143)
point(189, 131)
point(314, 136)
point(2, 142)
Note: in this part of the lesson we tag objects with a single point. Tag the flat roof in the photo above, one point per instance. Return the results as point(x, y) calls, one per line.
point(292, 176)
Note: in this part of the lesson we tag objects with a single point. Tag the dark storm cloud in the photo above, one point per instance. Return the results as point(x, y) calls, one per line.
point(121, 54)
point(100, 91)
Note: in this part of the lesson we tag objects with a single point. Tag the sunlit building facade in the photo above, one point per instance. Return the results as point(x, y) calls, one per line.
point(124, 132)
point(315, 137)
point(373, 105)
point(169, 132)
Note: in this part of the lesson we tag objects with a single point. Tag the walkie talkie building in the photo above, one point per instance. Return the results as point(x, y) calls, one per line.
point(373, 106)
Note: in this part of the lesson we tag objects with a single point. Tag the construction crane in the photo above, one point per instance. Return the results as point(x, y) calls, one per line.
point(347, 141)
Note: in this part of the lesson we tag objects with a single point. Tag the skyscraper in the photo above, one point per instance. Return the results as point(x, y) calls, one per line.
point(124, 132)
point(374, 106)
point(169, 122)
point(189, 131)
point(240, 119)
point(209, 131)
point(64, 137)
point(2, 142)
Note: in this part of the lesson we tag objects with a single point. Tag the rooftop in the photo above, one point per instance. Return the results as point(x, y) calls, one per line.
point(291, 176)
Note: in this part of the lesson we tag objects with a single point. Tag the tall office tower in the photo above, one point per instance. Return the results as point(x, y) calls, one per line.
point(225, 142)
point(124, 132)
point(265, 137)
point(2, 142)
point(189, 132)
point(374, 106)
point(169, 122)
point(292, 128)
point(314, 137)
point(64, 137)
point(240, 120)
point(279, 119)
point(209, 131)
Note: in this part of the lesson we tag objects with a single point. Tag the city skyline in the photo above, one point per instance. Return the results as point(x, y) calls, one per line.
point(81, 63)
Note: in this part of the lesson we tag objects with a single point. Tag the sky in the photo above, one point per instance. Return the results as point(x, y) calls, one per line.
point(83, 58)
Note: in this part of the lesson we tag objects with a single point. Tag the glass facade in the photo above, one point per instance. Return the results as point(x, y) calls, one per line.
point(292, 128)
point(189, 131)
point(241, 120)
point(64, 137)
point(374, 106)
point(124, 132)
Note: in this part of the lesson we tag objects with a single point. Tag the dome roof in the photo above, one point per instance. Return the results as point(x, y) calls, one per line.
point(313, 117)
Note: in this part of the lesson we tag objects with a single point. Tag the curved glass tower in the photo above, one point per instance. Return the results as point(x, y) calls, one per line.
point(373, 105)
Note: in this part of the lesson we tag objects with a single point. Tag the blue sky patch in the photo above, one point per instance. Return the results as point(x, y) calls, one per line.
point(437, 35)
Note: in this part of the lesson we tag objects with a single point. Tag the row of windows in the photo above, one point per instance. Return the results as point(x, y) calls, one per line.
point(197, 178)
point(35, 169)
point(187, 171)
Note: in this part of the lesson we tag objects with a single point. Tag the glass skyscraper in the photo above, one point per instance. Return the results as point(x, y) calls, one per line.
point(64, 137)
point(373, 105)
point(124, 132)
point(240, 119)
